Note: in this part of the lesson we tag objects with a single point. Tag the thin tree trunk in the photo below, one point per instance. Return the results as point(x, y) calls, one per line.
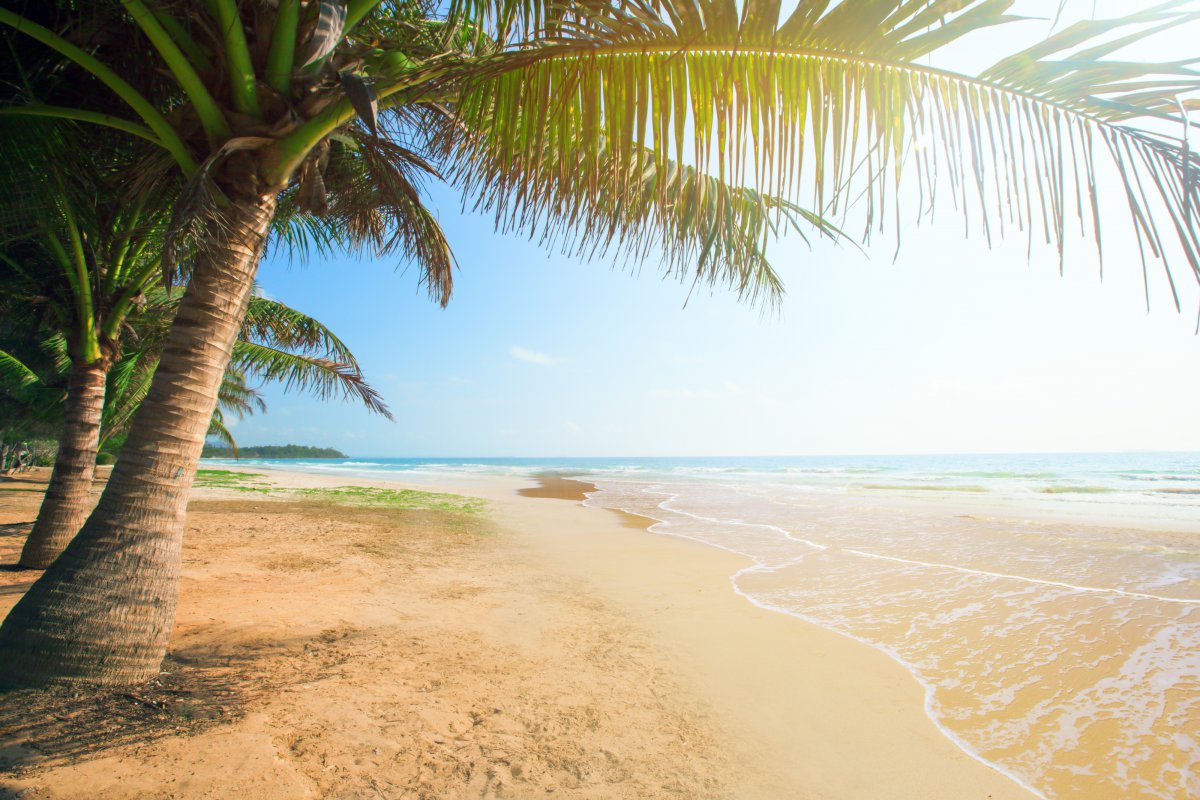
point(69, 496)
point(103, 612)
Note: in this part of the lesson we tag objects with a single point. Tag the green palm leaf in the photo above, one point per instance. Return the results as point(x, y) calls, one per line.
point(23, 384)
point(219, 431)
point(128, 382)
point(698, 225)
point(321, 377)
point(237, 396)
point(271, 322)
point(831, 100)
point(377, 205)
point(280, 344)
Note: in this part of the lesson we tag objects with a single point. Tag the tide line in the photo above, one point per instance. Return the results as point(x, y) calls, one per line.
point(759, 566)
point(1190, 601)
point(927, 686)
point(666, 505)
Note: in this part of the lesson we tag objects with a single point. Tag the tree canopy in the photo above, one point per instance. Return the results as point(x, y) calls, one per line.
point(271, 451)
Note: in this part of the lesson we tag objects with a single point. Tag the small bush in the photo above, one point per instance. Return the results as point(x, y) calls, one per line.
point(43, 452)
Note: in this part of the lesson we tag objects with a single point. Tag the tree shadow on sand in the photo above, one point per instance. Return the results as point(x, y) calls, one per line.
point(15, 579)
point(16, 529)
point(197, 689)
point(48, 727)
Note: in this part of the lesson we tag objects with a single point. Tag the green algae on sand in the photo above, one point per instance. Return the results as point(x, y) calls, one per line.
point(228, 479)
point(412, 499)
point(407, 499)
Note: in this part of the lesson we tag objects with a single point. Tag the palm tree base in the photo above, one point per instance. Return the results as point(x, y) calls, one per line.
point(102, 614)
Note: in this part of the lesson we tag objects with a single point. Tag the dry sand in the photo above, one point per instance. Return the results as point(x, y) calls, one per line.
point(539, 650)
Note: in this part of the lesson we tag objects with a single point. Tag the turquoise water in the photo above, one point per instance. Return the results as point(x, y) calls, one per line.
point(1129, 471)
point(1049, 604)
point(1127, 488)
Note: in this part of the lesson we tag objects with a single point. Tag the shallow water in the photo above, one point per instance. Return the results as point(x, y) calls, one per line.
point(1066, 655)
point(1049, 604)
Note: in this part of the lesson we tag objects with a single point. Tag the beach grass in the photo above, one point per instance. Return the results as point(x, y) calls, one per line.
point(369, 496)
point(228, 479)
point(407, 499)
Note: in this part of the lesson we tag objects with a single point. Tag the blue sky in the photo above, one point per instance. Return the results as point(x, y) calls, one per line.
point(951, 348)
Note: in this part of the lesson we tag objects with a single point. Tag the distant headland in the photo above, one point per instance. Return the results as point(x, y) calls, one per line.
point(272, 451)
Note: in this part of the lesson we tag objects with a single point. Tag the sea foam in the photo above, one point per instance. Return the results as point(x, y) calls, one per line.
point(1065, 655)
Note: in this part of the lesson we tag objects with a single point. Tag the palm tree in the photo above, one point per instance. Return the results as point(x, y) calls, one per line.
point(26, 406)
point(84, 260)
point(90, 260)
point(633, 116)
point(277, 344)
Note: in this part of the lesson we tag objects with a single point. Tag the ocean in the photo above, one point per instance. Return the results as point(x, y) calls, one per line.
point(1048, 603)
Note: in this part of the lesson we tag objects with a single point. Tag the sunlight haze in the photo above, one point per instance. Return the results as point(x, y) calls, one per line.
point(951, 348)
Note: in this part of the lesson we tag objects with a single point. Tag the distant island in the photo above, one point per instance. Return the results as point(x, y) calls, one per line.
point(272, 451)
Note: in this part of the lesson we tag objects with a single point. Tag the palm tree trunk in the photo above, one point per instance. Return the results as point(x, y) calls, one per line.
point(69, 496)
point(103, 612)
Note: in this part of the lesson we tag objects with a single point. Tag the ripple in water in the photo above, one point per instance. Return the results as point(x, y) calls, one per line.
point(1066, 655)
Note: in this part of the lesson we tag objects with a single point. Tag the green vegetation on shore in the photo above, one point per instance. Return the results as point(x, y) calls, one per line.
point(227, 479)
point(271, 451)
point(406, 499)
point(409, 499)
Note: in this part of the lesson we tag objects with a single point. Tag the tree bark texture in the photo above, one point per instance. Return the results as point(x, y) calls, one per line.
point(69, 496)
point(103, 612)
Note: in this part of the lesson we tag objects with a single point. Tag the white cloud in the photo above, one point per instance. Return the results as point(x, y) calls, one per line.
point(573, 426)
point(533, 357)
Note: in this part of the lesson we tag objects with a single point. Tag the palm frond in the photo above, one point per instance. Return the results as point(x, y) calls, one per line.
point(128, 383)
point(236, 396)
point(378, 205)
point(29, 151)
point(278, 325)
point(831, 100)
point(55, 348)
point(219, 431)
point(320, 377)
point(699, 226)
point(21, 383)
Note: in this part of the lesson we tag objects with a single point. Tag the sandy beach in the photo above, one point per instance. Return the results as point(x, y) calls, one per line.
point(328, 646)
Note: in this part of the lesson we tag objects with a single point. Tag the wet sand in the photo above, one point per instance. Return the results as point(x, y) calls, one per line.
point(552, 486)
point(540, 649)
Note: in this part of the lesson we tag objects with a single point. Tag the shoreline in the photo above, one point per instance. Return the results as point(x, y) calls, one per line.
point(633, 643)
point(560, 487)
point(733, 564)
point(570, 491)
point(553, 486)
point(1043, 508)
